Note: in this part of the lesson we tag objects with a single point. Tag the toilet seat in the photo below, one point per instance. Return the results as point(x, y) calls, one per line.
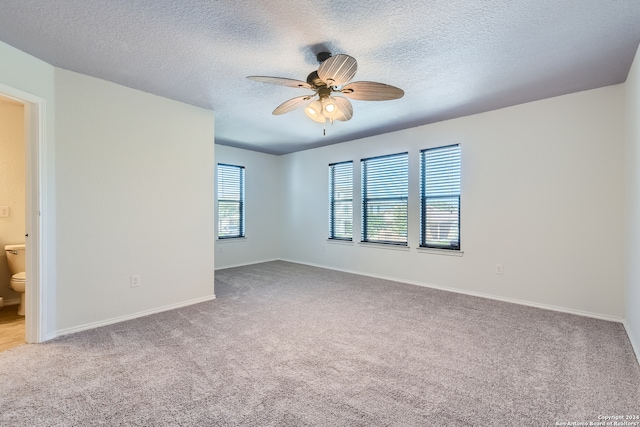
point(19, 277)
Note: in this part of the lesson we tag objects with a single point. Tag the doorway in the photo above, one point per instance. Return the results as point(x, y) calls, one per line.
point(13, 192)
point(34, 214)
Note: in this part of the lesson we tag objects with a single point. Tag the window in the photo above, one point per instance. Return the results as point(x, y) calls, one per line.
point(230, 201)
point(440, 197)
point(341, 201)
point(384, 199)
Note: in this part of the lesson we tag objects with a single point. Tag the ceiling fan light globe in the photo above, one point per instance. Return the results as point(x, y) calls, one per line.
point(319, 118)
point(315, 108)
point(330, 108)
point(314, 112)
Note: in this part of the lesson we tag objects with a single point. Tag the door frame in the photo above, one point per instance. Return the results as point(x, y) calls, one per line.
point(38, 296)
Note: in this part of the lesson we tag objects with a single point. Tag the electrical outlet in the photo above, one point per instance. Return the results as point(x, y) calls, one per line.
point(135, 280)
point(220, 249)
point(4, 211)
point(499, 269)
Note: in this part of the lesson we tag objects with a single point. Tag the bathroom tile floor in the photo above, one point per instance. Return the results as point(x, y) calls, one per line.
point(11, 327)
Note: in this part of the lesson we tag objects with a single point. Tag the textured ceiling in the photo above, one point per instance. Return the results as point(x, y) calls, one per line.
point(451, 57)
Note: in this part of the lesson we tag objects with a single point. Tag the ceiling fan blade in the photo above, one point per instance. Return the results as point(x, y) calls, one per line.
point(292, 104)
point(338, 70)
point(281, 81)
point(345, 107)
point(371, 91)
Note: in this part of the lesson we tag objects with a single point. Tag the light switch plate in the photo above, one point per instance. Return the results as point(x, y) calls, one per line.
point(4, 211)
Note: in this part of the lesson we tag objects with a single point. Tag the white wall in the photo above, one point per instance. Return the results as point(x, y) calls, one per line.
point(12, 187)
point(632, 223)
point(542, 194)
point(135, 181)
point(27, 74)
point(262, 211)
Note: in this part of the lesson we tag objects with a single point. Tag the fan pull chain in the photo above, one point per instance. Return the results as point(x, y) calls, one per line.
point(324, 131)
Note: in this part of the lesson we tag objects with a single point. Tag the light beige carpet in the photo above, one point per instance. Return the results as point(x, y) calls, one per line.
point(291, 345)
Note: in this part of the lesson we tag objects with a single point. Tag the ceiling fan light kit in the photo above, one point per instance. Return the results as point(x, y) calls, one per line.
point(333, 76)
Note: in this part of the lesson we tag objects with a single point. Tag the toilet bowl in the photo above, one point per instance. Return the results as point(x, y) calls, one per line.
point(16, 260)
point(18, 284)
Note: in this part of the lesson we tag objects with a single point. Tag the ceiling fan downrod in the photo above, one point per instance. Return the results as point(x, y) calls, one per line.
point(323, 56)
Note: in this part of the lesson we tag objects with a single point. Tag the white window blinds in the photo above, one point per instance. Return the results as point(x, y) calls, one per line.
point(384, 199)
point(440, 197)
point(341, 201)
point(230, 201)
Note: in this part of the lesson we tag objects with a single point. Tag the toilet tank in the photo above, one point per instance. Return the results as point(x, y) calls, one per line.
point(15, 257)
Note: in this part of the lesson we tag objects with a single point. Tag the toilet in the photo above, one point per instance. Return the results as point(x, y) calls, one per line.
point(16, 260)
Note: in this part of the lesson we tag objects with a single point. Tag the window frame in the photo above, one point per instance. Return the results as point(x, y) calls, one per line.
point(365, 200)
point(241, 202)
point(424, 199)
point(333, 200)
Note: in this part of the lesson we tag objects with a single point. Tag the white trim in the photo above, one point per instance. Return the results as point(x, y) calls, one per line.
point(634, 345)
point(474, 294)
point(435, 251)
point(13, 301)
point(231, 240)
point(41, 291)
point(144, 313)
point(390, 246)
point(340, 242)
point(242, 264)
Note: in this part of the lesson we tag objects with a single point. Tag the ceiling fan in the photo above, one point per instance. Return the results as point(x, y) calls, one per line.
point(333, 76)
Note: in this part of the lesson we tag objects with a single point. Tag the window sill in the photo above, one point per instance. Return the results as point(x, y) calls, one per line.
point(231, 240)
point(434, 251)
point(340, 242)
point(384, 246)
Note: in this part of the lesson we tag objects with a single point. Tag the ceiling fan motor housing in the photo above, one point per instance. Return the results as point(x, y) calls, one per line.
point(314, 80)
point(324, 92)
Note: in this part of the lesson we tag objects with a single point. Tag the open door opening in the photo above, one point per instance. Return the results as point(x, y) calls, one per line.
point(35, 294)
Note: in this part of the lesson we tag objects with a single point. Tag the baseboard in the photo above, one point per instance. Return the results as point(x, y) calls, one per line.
point(474, 294)
point(119, 319)
point(634, 344)
point(14, 301)
point(246, 263)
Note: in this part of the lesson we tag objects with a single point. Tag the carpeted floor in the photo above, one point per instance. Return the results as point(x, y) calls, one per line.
point(292, 345)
